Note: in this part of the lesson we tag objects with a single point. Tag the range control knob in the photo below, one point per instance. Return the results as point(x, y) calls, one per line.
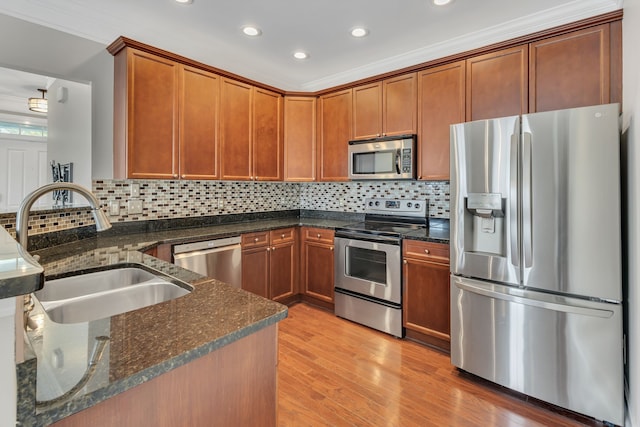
point(377, 203)
point(370, 203)
point(409, 204)
point(417, 205)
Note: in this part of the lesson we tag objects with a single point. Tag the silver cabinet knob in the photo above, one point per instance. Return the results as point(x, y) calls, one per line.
point(404, 261)
point(256, 240)
point(318, 235)
point(426, 251)
point(282, 235)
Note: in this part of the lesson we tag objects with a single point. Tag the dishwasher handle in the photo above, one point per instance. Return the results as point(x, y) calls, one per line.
point(207, 245)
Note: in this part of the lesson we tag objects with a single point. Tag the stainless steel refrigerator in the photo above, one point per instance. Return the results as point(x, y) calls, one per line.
point(536, 263)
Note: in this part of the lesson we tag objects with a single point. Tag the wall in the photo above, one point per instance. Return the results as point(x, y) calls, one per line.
point(631, 122)
point(69, 129)
point(53, 53)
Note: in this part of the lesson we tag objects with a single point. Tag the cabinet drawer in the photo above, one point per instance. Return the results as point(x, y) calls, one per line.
point(318, 234)
point(282, 235)
point(425, 250)
point(260, 238)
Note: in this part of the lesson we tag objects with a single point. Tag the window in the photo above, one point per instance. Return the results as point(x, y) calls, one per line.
point(8, 128)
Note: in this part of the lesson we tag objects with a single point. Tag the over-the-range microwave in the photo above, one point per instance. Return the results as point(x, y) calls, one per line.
point(391, 157)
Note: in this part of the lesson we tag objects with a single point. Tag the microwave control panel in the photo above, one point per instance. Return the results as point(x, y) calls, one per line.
point(406, 160)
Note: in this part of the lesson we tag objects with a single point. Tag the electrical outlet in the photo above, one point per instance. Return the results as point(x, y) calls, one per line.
point(341, 202)
point(135, 206)
point(135, 190)
point(220, 204)
point(114, 208)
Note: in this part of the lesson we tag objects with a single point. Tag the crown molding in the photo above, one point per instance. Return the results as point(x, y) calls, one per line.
point(575, 11)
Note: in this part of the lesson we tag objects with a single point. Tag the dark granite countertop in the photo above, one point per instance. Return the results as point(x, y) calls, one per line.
point(150, 341)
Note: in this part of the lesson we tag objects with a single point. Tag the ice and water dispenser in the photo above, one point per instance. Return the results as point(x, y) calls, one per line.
point(485, 230)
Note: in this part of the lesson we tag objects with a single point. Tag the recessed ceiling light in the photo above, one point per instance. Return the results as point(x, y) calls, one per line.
point(441, 2)
point(251, 31)
point(359, 32)
point(300, 55)
point(184, 1)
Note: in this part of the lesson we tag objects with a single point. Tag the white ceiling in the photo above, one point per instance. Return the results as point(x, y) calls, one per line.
point(402, 32)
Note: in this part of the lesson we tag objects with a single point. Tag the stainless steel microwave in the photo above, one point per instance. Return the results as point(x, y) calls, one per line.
point(391, 157)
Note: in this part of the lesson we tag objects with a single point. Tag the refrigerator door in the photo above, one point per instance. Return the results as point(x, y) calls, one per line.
point(484, 200)
point(571, 238)
point(565, 351)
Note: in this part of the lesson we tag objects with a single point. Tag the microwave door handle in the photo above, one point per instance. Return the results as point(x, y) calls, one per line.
point(398, 154)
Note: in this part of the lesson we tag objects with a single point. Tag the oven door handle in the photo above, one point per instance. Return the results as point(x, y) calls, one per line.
point(367, 237)
point(398, 155)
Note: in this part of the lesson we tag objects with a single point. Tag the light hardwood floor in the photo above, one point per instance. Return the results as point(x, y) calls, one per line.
point(333, 372)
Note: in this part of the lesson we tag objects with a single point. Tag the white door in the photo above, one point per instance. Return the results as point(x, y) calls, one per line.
point(23, 166)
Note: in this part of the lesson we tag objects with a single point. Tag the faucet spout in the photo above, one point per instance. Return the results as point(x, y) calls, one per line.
point(22, 217)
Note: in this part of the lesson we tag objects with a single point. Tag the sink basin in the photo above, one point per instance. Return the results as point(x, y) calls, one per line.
point(101, 294)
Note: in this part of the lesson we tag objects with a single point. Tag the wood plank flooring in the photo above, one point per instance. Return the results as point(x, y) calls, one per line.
point(333, 372)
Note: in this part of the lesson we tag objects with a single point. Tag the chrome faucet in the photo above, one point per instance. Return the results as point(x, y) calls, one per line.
point(22, 217)
point(22, 222)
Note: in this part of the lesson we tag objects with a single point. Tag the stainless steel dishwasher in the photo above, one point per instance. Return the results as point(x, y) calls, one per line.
point(219, 259)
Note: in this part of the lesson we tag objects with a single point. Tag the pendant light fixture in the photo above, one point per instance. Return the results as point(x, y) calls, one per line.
point(39, 105)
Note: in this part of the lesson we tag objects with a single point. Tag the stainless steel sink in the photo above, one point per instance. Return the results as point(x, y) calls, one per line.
point(101, 294)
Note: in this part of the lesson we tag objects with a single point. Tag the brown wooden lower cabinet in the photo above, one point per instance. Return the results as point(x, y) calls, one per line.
point(316, 265)
point(426, 311)
point(235, 385)
point(269, 264)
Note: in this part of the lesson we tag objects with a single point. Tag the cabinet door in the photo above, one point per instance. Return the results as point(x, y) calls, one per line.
point(152, 109)
point(399, 105)
point(299, 138)
point(199, 102)
point(235, 130)
point(335, 132)
point(571, 70)
point(282, 273)
point(267, 156)
point(441, 103)
point(255, 270)
point(497, 84)
point(317, 267)
point(426, 298)
point(367, 111)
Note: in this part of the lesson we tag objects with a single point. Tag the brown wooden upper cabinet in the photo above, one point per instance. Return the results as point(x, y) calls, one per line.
point(166, 118)
point(570, 70)
point(268, 143)
point(146, 109)
point(251, 145)
point(335, 131)
point(385, 108)
point(497, 84)
point(198, 125)
point(441, 103)
point(299, 138)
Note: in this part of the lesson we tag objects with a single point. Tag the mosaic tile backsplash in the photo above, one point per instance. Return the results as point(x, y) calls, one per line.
point(175, 199)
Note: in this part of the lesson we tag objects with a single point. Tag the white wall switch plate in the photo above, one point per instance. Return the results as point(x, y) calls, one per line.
point(114, 208)
point(135, 190)
point(135, 206)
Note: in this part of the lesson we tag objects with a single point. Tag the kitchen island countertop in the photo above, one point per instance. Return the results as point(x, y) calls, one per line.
point(147, 342)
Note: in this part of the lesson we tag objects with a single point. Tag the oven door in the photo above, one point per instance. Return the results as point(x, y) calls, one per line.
point(369, 265)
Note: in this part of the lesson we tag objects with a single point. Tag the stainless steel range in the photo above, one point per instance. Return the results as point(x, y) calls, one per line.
point(368, 263)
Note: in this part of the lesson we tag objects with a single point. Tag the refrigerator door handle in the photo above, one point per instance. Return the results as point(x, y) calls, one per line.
point(527, 223)
point(513, 202)
point(530, 301)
